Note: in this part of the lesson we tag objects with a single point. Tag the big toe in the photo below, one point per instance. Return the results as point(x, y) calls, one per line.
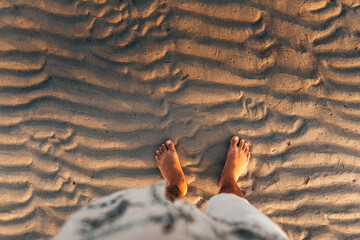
point(170, 145)
point(234, 141)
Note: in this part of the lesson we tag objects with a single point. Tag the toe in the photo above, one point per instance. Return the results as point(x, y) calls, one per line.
point(156, 158)
point(158, 153)
point(248, 156)
point(160, 150)
point(163, 147)
point(170, 145)
point(241, 144)
point(234, 141)
point(245, 147)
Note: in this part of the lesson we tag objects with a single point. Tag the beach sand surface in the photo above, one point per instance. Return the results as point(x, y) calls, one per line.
point(90, 88)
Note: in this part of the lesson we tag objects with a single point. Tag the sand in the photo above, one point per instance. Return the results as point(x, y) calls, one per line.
point(90, 88)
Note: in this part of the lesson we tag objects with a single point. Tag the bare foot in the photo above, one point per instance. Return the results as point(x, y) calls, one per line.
point(237, 160)
point(169, 165)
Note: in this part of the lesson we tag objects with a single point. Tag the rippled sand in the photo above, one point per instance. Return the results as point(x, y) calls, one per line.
point(89, 90)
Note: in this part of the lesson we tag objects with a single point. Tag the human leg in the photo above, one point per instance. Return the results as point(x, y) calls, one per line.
point(236, 162)
point(230, 204)
point(168, 163)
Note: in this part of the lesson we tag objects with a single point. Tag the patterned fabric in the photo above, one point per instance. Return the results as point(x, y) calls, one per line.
point(145, 213)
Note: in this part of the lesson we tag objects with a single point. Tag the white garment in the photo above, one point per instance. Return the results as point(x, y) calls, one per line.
point(146, 213)
point(236, 210)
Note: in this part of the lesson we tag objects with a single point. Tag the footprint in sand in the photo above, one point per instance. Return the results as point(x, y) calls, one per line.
point(51, 142)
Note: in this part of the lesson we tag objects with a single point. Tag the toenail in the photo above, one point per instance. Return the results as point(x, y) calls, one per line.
point(236, 138)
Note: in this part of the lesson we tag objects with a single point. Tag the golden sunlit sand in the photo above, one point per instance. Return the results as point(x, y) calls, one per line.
point(89, 89)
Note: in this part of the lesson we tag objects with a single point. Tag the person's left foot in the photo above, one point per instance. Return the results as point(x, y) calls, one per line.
point(168, 163)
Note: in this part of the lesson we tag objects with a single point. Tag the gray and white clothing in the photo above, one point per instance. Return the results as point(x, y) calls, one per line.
point(146, 213)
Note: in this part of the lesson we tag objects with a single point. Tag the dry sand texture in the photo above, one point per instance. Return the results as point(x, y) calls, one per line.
point(90, 88)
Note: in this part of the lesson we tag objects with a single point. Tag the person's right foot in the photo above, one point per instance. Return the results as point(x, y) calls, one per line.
point(237, 160)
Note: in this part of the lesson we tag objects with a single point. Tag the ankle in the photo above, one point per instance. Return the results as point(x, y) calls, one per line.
point(231, 187)
point(174, 192)
point(183, 188)
point(228, 181)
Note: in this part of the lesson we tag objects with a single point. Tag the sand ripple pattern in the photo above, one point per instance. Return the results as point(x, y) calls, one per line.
point(90, 88)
